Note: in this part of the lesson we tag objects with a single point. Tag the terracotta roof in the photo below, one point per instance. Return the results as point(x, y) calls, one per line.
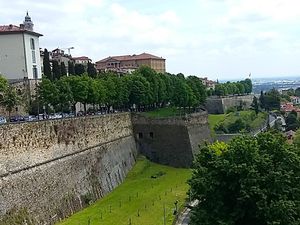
point(8, 29)
point(289, 107)
point(81, 58)
point(131, 57)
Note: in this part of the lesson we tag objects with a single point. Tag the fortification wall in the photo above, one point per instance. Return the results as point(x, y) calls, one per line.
point(219, 105)
point(52, 168)
point(172, 141)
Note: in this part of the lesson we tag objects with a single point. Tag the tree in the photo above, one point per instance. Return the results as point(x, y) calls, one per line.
point(10, 99)
point(46, 65)
point(63, 70)
point(47, 93)
point(79, 88)
point(198, 89)
point(56, 71)
point(71, 69)
point(292, 122)
point(251, 180)
point(3, 84)
point(270, 100)
point(297, 92)
point(254, 105)
point(65, 95)
point(79, 69)
point(91, 70)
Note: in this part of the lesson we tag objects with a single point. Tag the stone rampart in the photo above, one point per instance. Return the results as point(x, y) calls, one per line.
point(219, 105)
point(52, 168)
point(173, 140)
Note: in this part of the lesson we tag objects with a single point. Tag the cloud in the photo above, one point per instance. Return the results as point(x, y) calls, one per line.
point(198, 37)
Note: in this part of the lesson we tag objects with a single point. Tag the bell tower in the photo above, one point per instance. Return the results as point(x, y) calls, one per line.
point(28, 25)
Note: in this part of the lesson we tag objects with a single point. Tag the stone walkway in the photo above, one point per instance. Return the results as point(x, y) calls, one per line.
point(184, 217)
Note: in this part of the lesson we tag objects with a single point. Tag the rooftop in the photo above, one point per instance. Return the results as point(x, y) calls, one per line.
point(131, 57)
point(81, 58)
point(12, 29)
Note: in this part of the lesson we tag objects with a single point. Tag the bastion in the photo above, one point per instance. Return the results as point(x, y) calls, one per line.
point(51, 169)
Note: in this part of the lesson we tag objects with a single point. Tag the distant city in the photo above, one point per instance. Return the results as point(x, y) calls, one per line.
point(279, 83)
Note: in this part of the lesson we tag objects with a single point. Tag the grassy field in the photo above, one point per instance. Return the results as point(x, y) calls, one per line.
point(214, 119)
point(248, 116)
point(165, 112)
point(140, 199)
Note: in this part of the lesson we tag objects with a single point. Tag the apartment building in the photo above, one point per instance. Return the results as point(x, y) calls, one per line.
point(20, 51)
point(129, 63)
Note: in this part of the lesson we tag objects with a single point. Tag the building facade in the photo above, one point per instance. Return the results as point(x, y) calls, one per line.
point(129, 63)
point(20, 51)
point(82, 60)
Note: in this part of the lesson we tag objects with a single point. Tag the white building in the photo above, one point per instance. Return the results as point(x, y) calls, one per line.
point(20, 51)
point(82, 60)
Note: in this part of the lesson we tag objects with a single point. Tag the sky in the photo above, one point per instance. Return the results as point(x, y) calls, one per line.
point(219, 39)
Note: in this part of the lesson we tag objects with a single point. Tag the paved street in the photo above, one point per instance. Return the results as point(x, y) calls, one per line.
point(184, 217)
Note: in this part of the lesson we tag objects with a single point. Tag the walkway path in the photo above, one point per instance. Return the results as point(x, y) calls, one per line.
point(184, 217)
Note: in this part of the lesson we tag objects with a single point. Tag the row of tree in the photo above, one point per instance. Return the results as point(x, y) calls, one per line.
point(232, 88)
point(250, 180)
point(9, 98)
point(58, 70)
point(143, 89)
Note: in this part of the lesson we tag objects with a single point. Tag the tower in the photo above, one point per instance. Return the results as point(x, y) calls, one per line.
point(28, 25)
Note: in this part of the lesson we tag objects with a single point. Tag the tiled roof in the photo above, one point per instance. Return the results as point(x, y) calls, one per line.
point(6, 29)
point(81, 58)
point(131, 57)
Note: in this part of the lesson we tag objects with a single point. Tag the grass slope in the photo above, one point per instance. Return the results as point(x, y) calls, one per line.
point(165, 112)
point(139, 198)
point(248, 116)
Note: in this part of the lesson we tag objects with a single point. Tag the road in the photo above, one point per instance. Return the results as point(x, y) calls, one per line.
point(184, 217)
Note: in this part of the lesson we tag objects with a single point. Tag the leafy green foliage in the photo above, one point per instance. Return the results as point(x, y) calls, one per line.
point(254, 180)
point(231, 88)
point(3, 83)
point(46, 65)
point(48, 93)
point(56, 70)
point(71, 69)
point(63, 69)
point(255, 105)
point(270, 100)
point(143, 90)
point(235, 122)
point(91, 70)
point(79, 69)
point(10, 99)
point(297, 92)
point(292, 121)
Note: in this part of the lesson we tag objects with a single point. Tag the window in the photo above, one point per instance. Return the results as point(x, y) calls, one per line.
point(35, 72)
point(33, 57)
point(151, 134)
point(32, 45)
point(140, 135)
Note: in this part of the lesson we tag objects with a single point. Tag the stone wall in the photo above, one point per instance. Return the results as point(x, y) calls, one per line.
point(172, 141)
point(219, 105)
point(50, 167)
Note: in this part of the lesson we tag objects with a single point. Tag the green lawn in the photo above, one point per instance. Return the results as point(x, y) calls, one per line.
point(248, 116)
point(165, 112)
point(139, 198)
point(214, 119)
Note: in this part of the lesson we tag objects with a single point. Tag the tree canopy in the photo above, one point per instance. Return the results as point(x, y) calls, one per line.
point(232, 88)
point(144, 89)
point(251, 180)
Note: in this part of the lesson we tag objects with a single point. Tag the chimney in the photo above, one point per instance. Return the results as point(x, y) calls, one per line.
point(10, 26)
point(22, 26)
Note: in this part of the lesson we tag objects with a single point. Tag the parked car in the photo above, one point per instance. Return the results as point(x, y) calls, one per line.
point(2, 120)
point(17, 118)
point(30, 118)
